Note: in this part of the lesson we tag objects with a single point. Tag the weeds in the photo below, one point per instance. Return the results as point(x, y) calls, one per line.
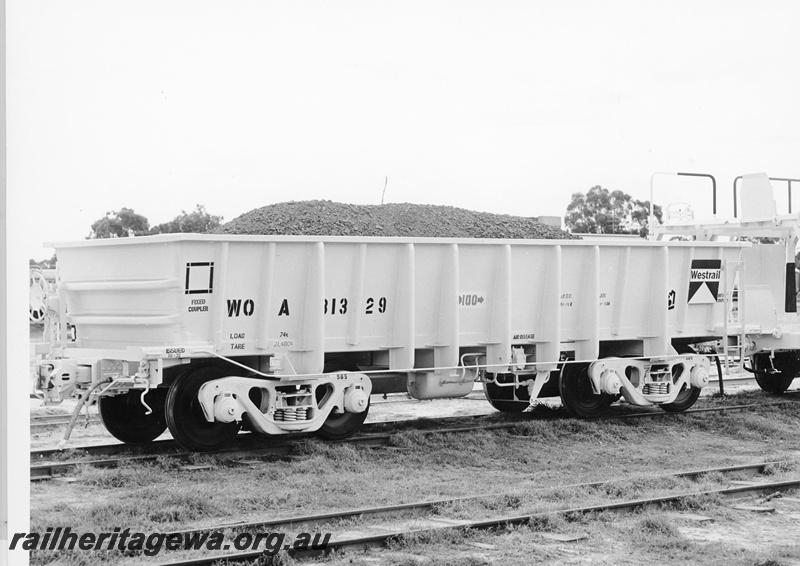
point(633, 489)
point(447, 536)
point(777, 468)
point(547, 523)
point(694, 503)
point(657, 526)
point(282, 558)
point(153, 506)
point(656, 534)
point(407, 439)
point(123, 476)
point(75, 557)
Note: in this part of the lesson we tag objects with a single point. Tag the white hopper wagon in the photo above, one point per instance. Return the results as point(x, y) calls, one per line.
point(205, 333)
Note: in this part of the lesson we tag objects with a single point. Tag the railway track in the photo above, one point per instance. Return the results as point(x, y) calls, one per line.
point(166, 445)
point(247, 446)
point(244, 439)
point(49, 421)
point(257, 446)
point(403, 527)
point(40, 422)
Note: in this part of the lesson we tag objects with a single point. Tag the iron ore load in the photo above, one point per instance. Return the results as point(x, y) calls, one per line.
point(205, 334)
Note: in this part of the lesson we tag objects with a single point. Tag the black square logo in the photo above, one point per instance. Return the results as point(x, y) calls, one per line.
point(200, 278)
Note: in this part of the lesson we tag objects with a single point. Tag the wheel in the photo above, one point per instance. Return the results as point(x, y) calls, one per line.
point(507, 399)
point(688, 395)
point(340, 425)
point(771, 382)
point(577, 394)
point(124, 416)
point(184, 414)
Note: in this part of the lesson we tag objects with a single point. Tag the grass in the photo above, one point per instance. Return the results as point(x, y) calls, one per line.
point(520, 464)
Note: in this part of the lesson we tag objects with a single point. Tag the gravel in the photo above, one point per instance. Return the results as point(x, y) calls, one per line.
point(327, 218)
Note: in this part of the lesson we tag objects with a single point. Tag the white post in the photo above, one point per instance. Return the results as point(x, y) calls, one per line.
point(4, 405)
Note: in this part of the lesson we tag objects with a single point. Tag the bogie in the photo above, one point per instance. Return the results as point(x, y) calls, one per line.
point(688, 394)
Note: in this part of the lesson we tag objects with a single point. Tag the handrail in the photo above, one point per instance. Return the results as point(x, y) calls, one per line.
point(706, 175)
point(784, 179)
point(713, 186)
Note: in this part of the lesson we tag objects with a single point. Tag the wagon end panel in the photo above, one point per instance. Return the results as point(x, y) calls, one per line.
point(119, 295)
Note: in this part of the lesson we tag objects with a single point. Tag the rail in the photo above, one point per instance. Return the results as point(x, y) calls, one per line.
point(51, 470)
point(381, 540)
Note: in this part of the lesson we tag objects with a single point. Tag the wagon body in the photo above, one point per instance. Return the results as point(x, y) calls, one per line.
point(305, 297)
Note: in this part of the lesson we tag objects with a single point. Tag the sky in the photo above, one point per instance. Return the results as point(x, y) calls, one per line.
point(504, 107)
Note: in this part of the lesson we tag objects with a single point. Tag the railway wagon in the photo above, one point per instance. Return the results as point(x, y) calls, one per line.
point(206, 334)
point(764, 328)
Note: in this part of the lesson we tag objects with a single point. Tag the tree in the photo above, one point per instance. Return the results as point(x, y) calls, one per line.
point(601, 211)
point(44, 264)
point(120, 225)
point(198, 221)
